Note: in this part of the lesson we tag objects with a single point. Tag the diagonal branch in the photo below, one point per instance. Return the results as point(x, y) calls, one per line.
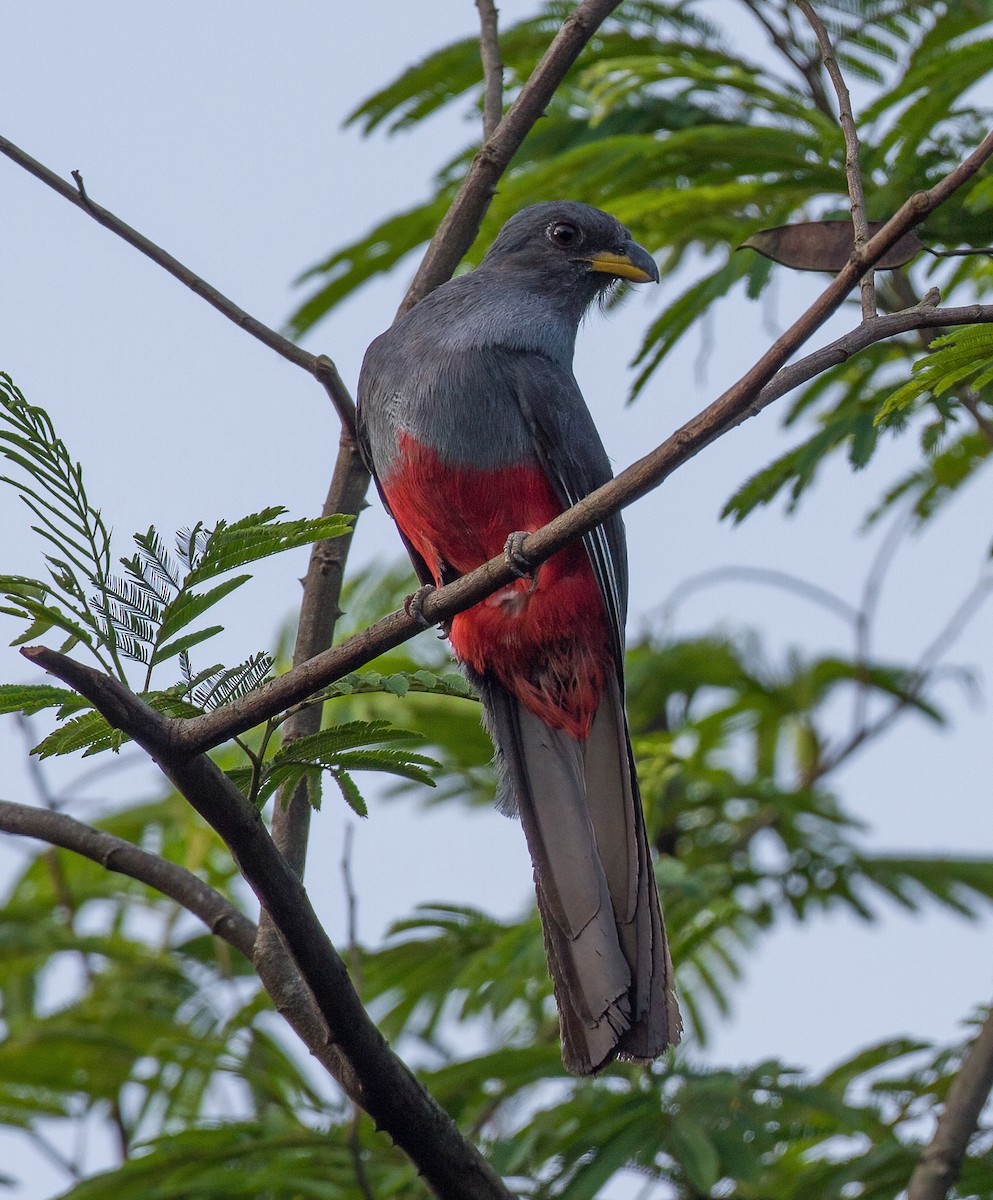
point(735, 406)
point(294, 1000)
point(196, 734)
point(116, 854)
point(320, 366)
point(941, 1161)
point(388, 1090)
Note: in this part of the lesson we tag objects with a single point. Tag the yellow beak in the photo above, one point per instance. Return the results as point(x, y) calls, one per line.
point(632, 262)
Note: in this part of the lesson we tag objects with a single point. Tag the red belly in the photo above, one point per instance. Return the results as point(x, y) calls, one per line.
point(548, 646)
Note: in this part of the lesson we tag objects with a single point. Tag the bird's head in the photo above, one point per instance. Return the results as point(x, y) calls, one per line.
point(570, 250)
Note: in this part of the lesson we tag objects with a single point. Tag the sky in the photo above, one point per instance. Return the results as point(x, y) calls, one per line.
point(216, 130)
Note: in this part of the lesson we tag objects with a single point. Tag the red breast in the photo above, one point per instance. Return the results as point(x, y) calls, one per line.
point(546, 643)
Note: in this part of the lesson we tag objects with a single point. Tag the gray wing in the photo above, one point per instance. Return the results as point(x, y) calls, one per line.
point(569, 446)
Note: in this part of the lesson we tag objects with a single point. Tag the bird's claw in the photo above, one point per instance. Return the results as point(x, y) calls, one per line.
point(517, 560)
point(413, 606)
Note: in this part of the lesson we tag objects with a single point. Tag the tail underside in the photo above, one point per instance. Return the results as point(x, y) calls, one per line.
point(604, 936)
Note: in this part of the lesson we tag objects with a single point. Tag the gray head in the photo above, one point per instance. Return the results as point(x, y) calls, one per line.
point(568, 249)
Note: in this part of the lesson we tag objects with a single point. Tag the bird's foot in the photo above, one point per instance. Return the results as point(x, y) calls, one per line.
point(517, 560)
point(413, 606)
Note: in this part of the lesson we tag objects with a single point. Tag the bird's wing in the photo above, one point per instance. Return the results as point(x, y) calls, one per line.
point(570, 449)
point(421, 569)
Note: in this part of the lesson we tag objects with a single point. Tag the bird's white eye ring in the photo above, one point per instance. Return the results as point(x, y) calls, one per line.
point(564, 233)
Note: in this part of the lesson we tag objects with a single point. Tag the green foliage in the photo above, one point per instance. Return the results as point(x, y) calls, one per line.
point(695, 146)
point(163, 1034)
point(138, 615)
point(340, 750)
point(735, 761)
point(144, 615)
point(962, 358)
point(275, 1158)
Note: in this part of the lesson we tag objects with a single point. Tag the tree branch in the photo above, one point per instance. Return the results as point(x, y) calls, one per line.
point(321, 592)
point(941, 1161)
point(489, 53)
point(736, 405)
point(460, 225)
point(319, 611)
point(389, 1091)
point(292, 997)
point(116, 854)
point(853, 169)
point(320, 366)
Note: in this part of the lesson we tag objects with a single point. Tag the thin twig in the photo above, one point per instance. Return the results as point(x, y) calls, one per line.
point(871, 594)
point(760, 575)
point(320, 366)
point(853, 167)
point(351, 904)
point(53, 1153)
point(489, 53)
point(941, 1161)
point(362, 1181)
point(970, 401)
point(120, 1129)
point(926, 664)
point(806, 67)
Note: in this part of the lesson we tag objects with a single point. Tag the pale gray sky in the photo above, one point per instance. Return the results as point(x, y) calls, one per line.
point(216, 130)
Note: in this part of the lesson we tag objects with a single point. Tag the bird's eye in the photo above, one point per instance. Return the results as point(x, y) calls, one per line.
point(563, 233)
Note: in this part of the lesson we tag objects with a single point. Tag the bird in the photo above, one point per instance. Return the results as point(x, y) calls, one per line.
point(476, 432)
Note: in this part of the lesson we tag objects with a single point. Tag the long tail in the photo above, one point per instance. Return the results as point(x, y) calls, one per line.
point(604, 937)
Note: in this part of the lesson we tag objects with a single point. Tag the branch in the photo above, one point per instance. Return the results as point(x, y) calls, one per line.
point(390, 1093)
point(458, 229)
point(116, 854)
point(319, 611)
point(489, 53)
point(320, 366)
point(292, 997)
point(941, 1161)
point(319, 614)
point(926, 664)
point(745, 399)
point(853, 169)
point(764, 576)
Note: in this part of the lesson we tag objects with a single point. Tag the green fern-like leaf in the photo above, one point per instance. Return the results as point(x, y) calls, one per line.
point(187, 605)
point(51, 485)
point(227, 683)
point(965, 356)
point(350, 791)
point(33, 698)
point(398, 683)
point(258, 536)
point(35, 602)
point(89, 732)
point(341, 750)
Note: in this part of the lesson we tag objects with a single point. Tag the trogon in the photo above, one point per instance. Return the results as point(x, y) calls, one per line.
point(476, 432)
